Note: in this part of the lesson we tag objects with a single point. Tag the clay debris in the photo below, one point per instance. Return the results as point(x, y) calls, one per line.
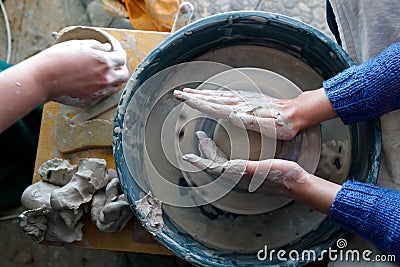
point(56, 204)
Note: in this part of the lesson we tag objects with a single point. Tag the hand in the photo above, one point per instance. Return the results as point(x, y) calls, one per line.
point(278, 175)
point(253, 111)
point(213, 160)
point(275, 118)
point(81, 72)
point(282, 177)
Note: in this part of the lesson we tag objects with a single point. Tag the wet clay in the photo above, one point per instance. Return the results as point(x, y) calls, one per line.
point(110, 209)
point(38, 195)
point(55, 212)
point(150, 209)
point(57, 171)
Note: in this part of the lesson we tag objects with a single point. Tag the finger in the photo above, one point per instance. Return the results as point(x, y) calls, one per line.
point(236, 166)
point(257, 104)
point(106, 53)
point(71, 101)
point(253, 165)
point(243, 95)
point(113, 58)
point(119, 75)
point(212, 109)
point(263, 110)
point(261, 171)
point(265, 126)
point(203, 164)
point(221, 93)
point(244, 120)
point(223, 100)
point(94, 44)
point(90, 100)
point(209, 149)
point(87, 43)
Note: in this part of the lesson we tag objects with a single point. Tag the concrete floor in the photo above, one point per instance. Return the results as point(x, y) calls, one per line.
point(32, 22)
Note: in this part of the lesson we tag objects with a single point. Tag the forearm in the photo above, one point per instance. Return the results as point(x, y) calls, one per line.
point(288, 179)
point(310, 108)
point(316, 192)
point(21, 90)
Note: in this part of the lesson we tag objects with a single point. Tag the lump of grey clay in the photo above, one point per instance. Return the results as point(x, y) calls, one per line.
point(56, 212)
point(47, 224)
point(110, 209)
point(150, 210)
point(91, 176)
point(114, 216)
point(72, 195)
point(64, 226)
point(112, 174)
point(94, 170)
point(34, 223)
point(57, 171)
point(37, 195)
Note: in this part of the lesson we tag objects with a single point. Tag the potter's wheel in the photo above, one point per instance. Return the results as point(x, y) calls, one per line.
point(159, 129)
point(200, 232)
point(238, 143)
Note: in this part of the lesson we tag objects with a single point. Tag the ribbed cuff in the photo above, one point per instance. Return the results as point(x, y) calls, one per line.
point(353, 204)
point(371, 212)
point(339, 90)
point(369, 90)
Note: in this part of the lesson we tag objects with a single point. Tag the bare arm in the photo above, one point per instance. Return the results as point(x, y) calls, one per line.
point(310, 108)
point(21, 91)
point(78, 72)
point(296, 183)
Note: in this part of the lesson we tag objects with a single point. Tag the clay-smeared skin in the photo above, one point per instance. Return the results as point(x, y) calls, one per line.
point(252, 111)
point(114, 59)
point(281, 177)
point(215, 162)
point(276, 118)
point(76, 72)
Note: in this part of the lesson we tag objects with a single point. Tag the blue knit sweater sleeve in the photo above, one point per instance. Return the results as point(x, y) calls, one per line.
point(371, 212)
point(369, 90)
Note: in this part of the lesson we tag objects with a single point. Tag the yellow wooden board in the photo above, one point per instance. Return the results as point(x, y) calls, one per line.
point(133, 237)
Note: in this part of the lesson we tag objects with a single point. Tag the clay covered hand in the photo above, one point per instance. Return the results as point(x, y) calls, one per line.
point(279, 175)
point(253, 111)
point(81, 72)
